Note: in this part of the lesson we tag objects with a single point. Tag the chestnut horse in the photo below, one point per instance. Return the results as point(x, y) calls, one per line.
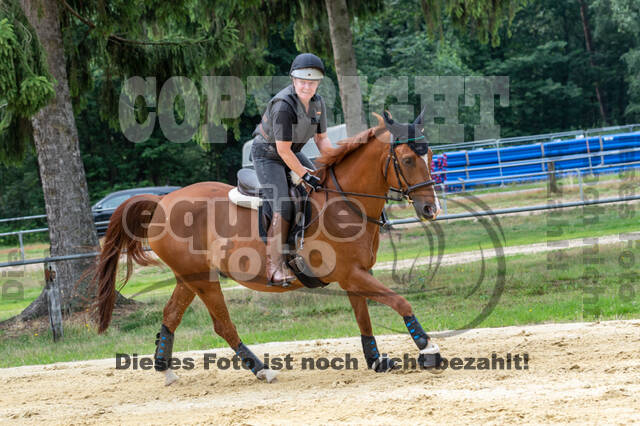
point(198, 232)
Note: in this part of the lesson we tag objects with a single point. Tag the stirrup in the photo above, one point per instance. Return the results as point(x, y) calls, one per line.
point(286, 272)
point(284, 284)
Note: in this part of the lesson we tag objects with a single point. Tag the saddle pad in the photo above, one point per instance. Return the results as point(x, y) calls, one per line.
point(237, 198)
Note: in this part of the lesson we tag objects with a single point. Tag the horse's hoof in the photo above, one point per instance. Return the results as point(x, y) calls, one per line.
point(384, 365)
point(430, 356)
point(169, 377)
point(267, 374)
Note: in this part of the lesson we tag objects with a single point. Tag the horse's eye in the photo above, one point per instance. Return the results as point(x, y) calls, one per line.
point(408, 161)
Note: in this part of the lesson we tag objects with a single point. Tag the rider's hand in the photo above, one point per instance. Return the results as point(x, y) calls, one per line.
point(312, 180)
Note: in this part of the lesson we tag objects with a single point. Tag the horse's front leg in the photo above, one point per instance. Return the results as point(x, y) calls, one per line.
point(380, 364)
point(362, 283)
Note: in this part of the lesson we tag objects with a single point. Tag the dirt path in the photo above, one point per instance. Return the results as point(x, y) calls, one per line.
point(472, 256)
point(582, 372)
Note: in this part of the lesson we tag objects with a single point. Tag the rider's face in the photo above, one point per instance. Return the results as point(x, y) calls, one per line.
point(305, 89)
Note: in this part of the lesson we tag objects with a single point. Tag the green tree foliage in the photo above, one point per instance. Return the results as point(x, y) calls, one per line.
point(543, 53)
point(395, 43)
point(480, 18)
point(111, 41)
point(20, 189)
point(618, 29)
point(160, 39)
point(25, 83)
point(112, 162)
point(311, 27)
point(551, 82)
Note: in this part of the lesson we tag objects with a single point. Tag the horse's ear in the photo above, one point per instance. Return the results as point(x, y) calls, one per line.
point(380, 120)
point(418, 120)
point(387, 117)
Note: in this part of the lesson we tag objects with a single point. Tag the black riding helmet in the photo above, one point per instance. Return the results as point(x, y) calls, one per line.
point(307, 66)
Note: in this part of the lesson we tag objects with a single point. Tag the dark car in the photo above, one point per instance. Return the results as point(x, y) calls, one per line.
point(103, 209)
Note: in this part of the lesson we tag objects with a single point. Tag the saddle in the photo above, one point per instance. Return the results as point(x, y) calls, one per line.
point(248, 194)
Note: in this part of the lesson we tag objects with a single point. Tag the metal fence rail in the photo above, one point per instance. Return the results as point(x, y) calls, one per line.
point(547, 137)
point(15, 219)
point(392, 222)
point(520, 209)
point(527, 178)
point(21, 234)
point(48, 259)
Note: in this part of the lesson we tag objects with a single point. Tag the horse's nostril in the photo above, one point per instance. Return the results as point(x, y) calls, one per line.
point(426, 210)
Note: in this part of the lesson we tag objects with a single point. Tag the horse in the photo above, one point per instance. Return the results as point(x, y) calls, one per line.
point(200, 234)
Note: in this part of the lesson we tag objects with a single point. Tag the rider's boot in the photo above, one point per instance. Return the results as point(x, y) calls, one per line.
point(277, 271)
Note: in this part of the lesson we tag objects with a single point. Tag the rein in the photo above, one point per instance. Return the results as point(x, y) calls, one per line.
point(381, 223)
point(402, 193)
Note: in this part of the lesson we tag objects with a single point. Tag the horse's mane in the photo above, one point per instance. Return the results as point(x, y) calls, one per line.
point(348, 145)
point(345, 146)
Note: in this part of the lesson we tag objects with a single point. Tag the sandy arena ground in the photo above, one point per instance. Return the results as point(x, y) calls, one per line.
point(577, 373)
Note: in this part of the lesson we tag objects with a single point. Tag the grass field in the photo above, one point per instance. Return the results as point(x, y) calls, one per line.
point(472, 234)
point(535, 290)
point(145, 283)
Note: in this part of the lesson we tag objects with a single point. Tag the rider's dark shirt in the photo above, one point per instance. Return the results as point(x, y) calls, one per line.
point(284, 118)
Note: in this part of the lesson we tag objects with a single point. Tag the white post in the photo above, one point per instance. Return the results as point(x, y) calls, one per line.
point(21, 245)
point(53, 300)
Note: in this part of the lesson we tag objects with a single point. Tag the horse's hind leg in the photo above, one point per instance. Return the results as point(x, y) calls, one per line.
point(212, 296)
point(171, 317)
point(369, 346)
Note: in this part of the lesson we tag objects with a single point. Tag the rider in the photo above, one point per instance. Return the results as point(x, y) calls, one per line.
point(292, 117)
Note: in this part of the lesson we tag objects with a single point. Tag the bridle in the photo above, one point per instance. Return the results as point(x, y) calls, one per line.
point(399, 193)
point(403, 193)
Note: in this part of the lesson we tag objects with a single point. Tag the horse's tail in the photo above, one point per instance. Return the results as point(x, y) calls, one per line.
point(127, 230)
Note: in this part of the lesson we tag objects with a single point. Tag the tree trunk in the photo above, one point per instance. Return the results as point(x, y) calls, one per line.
point(345, 62)
point(71, 228)
point(589, 46)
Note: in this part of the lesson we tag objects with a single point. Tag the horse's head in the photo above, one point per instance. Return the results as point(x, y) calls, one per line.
point(407, 166)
